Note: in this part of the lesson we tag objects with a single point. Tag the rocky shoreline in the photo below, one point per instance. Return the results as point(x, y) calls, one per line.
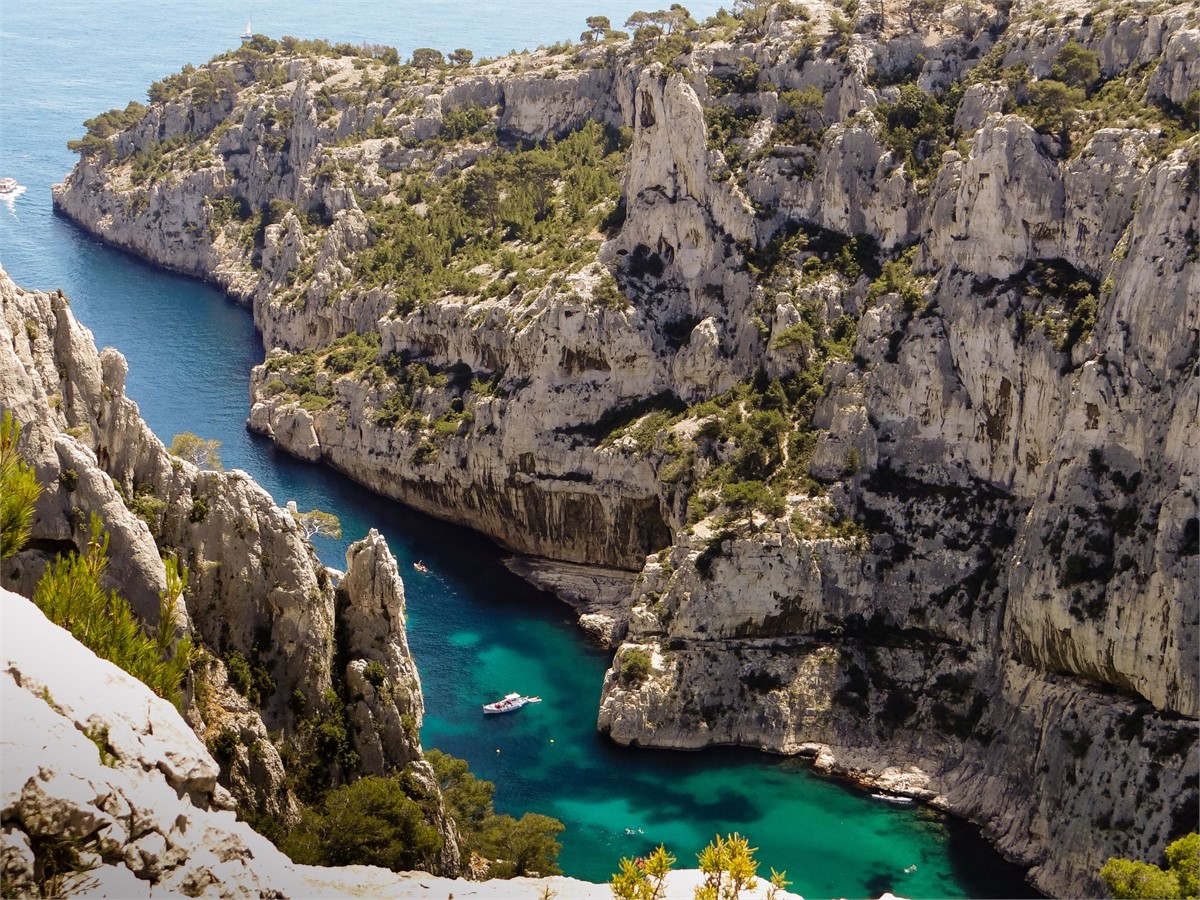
point(882, 383)
point(157, 774)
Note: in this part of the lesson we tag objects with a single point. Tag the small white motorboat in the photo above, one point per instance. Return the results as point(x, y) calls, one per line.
point(510, 703)
point(891, 798)
point(8, 185)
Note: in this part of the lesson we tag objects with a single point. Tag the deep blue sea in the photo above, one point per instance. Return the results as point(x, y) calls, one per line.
point(477, 632)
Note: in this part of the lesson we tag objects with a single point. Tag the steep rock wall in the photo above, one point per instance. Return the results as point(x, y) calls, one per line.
point(1001, 540)
point(255, 585)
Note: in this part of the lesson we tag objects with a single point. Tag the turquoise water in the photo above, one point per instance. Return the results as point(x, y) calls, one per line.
point(477, 632)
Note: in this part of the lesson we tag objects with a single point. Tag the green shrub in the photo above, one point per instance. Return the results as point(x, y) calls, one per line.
point(371, 822)
point(1127, 878)
point(799, 335)
point(897, 278)
point(375, 673)
point(394, 410)
point(524, 847)
point(745, 496)
point(544, 202)
point(635, 667)
point(70, 595)
point(227, 209)
point(89, 146)
point(353, 352)
point(204, 453)
point(146, 506)
point(315, 402)
point(249, 677)
point(199, 511)
point(69, 479)
point(424, 453)
point(1053, 106)
point(465, 121)
point(224, 745)
point(917, 126)
point(1076, 67)
point(19, 490)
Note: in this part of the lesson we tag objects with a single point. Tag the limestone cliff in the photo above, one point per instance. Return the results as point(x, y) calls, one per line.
point(874, 351)
point(258, 599)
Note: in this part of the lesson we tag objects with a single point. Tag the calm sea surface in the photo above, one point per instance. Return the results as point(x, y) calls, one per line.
point(477, 632)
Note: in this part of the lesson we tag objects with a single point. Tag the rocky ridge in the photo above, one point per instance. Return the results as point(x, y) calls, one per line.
point(974, 540)
point(256, 591)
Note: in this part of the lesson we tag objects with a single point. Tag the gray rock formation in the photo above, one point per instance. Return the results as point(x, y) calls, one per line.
point(256, 590)
point(987, 547)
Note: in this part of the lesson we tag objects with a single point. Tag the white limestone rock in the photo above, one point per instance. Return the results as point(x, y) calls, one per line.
point(944, 639)
point(536, 106)
point(980, 101)
point(1006, 197)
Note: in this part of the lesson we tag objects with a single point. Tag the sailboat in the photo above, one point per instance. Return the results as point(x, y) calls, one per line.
point(249, 32)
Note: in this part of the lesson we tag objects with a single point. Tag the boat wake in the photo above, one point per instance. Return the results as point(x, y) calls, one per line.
point(10, 191)
point(892, 798)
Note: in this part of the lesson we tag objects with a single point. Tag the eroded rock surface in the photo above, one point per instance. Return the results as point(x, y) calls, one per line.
point(256, 591)
point(898, 433)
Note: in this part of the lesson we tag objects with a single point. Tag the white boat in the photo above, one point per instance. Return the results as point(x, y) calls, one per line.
point(249, 32)
point(892, 798)
point(8, 185)
point(510, 703)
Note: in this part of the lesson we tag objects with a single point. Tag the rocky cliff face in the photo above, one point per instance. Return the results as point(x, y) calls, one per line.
point(258, 599)
point(878, 360)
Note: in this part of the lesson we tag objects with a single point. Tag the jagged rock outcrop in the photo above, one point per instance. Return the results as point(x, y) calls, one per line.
point(371, 600)
point(95, 762)
point(890, 396)
point(257, 594)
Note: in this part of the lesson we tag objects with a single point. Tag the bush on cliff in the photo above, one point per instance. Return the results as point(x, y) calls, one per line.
point(204, 453)
point(70, 595)
point(371, 822)
point(635, 667)
point(510, 847)
point(1128, 878)
point(19, 490)
point(917, 127)
point(541, 201)
point(100, 128)
point(69, 592)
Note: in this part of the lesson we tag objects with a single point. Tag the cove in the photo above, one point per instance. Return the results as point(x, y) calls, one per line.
point(476, 631)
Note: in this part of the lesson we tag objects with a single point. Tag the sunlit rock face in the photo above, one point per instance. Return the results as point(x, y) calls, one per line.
point(254, 588)
point(980, 588)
